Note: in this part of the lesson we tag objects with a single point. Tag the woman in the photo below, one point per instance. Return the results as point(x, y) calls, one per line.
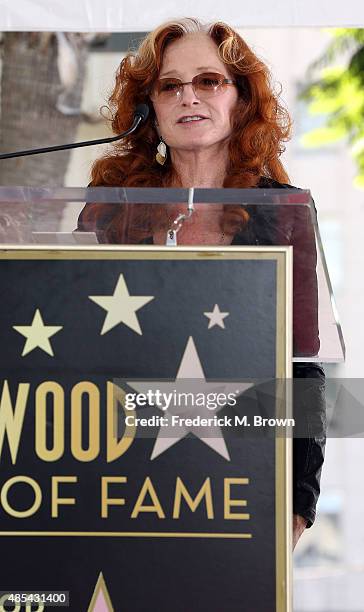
point(214, 122)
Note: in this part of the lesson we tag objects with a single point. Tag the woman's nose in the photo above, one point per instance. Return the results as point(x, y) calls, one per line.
point(188, 96)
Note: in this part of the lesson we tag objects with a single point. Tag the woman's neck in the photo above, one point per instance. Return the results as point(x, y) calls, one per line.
point(204, 168)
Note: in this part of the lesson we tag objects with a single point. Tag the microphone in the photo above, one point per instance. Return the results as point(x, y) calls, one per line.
point(142, 111)
point(140, 116)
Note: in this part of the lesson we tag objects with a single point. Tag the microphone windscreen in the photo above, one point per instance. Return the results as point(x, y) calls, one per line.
point(142, 111)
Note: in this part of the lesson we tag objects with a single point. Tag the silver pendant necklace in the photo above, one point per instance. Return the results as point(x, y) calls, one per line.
point(175, 227)
point(171, 239)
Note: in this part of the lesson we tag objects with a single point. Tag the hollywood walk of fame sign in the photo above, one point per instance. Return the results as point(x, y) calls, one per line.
point(129, 476)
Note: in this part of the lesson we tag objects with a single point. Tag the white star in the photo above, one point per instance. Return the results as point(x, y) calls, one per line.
point(121, 307)
point(37, 334)
point(216, 317)
point(190, 379)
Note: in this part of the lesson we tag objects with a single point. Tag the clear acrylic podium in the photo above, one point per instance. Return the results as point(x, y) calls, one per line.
point(96, 310)
point(280, 217)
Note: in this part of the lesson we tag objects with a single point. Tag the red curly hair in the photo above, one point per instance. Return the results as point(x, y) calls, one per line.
point(260, 126)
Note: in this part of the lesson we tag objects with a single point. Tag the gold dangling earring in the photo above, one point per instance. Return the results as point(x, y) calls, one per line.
point(161, 154)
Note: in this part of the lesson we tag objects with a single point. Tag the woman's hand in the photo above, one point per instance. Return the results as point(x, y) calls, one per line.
point(299, 525)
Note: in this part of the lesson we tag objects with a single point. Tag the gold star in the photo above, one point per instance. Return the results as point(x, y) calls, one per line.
point(121, 307)
point(37, 334)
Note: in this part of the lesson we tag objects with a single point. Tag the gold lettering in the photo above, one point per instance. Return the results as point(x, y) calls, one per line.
point(29, 607)
point(107, 501)
point(90, 453)
point(3, 599)
point(57, 450)
point(57, 501)
point(115, 447)
point(229, 503)
point(37, 497)
point(11, 421)
point(156, 507)
point(205, 492)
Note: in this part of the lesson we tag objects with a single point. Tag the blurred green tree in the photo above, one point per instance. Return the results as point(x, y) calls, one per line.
point(335, 89)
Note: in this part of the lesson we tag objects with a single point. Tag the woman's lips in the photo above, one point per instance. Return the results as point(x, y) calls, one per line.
point(193, 122)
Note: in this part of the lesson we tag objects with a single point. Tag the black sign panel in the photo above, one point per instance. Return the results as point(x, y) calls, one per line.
point(111, 490)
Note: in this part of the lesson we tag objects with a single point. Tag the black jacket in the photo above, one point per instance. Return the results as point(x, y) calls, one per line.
point(266, 227)
point(284, 225)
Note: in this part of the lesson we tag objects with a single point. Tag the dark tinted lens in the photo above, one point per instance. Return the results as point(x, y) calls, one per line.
point(208, 81)
point(168, 86)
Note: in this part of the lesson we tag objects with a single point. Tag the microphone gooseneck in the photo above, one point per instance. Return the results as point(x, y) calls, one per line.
point(142, 111)
point(140, 116)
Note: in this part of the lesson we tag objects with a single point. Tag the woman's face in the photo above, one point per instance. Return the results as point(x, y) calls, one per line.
point(184, 58)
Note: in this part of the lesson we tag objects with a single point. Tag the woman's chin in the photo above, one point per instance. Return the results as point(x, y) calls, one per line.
point(196, 144)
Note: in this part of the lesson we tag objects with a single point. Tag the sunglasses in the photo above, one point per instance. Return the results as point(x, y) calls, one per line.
point(204, 85)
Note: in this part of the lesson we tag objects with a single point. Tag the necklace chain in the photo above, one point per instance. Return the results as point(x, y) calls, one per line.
point(172, 232)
